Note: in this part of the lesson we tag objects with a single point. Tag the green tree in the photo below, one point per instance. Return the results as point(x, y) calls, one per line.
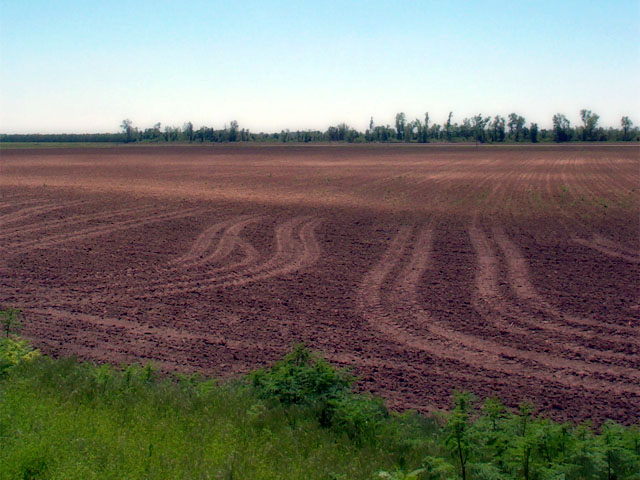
point(515, 124)
point(400, 125)
point(435, 131)
point(172, 133)
point(490, 434)
point(302, 377)
point(478, 125)
point(424, 136)
point(561, 128)
point(526, 441)
point(497, 129)
point(233, 131)
point(465, 131)
point(369, 133)
point(618, 451)
point(533, 132)
point(626, 124)
point(585, 454)
point(127, 127)
point(589, 124)
point(448, 127)
point(413, 130)
point(188, 131)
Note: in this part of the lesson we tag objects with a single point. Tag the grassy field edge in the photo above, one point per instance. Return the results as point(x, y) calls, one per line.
point(62, 418)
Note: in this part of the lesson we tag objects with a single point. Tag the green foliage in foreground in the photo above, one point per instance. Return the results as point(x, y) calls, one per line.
point(61, 419)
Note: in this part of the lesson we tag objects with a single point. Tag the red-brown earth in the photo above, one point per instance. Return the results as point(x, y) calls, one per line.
point(508, 271)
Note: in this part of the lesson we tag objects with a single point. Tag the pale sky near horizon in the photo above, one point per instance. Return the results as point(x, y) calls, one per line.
point(78, 66)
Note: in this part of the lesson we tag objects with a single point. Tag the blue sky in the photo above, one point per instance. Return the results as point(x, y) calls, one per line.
point(78, 66)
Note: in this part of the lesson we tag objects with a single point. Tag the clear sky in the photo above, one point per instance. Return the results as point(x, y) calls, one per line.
point(84, 66)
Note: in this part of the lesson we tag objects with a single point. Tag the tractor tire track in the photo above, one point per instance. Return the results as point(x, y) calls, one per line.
point(608, 248)
point(71, 220)
point(59, 239)
point(291, 255)
point(519, 279)
point(99, 338)
point(457, 346)
point(490, 301)
point(196, 254)
point(509, 315)
point(409, 279)
point(37, 210)
point(600, 240)
point(13, 204)
point(197, 258)
point(307, 252)
point(229, 242)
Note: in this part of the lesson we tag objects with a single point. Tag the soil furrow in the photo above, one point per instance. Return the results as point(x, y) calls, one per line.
point(290, 255)
point(456, 346)
point(33, 211)
point(59, 239)
point(192, 267)
point(406, 292)
point(509, 317)
point(607, 249)
point(45, 225)
point(519, 281)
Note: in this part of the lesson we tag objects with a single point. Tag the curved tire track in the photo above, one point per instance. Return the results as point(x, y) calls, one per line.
point(196, 254)
point(519, 279)
point(291, 255)
point(498, 310)
point(197, 257)
point(609, 248)
point(71, 220)
point(457, 346)
point(37, 210)
point(59, 239)
point(410, 278)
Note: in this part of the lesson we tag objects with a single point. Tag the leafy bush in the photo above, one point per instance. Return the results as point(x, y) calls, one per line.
point(14, 351)
point(301, 378)
point(359, 416)
point(60, 418)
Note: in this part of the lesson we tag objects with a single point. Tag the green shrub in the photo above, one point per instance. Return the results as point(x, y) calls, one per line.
point(359, 416)
point(304, 379)
point(14, 351)
point(60, 418)
point(301, 378)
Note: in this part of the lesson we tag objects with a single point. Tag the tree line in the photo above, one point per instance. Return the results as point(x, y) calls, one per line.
point(478, 128)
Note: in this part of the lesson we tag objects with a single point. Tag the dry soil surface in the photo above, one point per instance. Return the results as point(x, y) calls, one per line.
point(508, 271)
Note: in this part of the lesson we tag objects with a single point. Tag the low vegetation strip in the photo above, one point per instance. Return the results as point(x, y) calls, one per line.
point(62, 419)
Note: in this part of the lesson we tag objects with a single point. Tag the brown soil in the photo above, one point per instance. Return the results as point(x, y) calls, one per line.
point(508, 271)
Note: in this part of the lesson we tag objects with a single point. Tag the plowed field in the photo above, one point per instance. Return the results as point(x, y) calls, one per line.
point(508, 271)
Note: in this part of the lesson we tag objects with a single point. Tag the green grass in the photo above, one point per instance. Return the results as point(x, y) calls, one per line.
point(63, 419)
